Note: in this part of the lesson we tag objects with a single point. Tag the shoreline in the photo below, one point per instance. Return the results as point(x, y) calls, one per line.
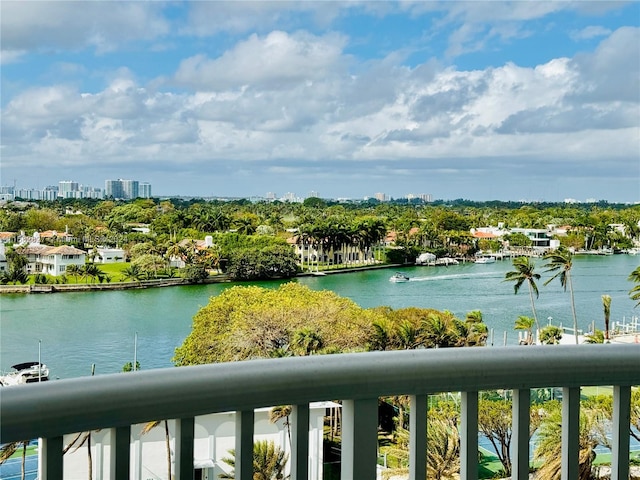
point(160, 283)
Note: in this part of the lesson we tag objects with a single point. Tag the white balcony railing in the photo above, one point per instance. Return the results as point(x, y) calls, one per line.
point(52, 409)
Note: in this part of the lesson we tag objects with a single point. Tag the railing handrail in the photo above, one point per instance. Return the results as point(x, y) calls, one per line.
point(58, 407)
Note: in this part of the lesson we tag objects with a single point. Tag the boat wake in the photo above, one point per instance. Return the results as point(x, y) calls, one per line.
point(453, 276)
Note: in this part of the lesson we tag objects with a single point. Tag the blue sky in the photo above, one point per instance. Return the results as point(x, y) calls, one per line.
point(485, 100)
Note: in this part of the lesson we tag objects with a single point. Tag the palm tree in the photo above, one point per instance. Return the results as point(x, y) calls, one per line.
point(591, 434)
point(606, 304)
point(307, 341)
point(595, 337)
point(73, 270)
point(82, 438)
point(560, 262)
point(437, 331)
point(282, 412)
point(8, 449)
point(550, 335)
point(269, 462)
point(525, 272)
point(167, 439)
point(525, 323)
point(132, 272)
point(634, 293)
point(443, 454)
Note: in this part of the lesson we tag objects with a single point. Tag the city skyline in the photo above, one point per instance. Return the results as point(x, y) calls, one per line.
point(534, 101)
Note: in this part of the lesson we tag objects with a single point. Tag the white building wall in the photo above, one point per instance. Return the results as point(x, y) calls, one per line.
point(214, 436)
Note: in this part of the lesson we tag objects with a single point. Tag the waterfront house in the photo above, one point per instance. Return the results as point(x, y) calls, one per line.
point(51, 260)
point(110, 255)
point(8, 237)
point(53, 236)
point(3, 259)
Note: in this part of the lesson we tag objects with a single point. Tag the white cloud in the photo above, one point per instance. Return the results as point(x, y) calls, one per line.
point(295, 100)
point(10, 56)
point(47, 25)
point(590, 32)
point(273, 62)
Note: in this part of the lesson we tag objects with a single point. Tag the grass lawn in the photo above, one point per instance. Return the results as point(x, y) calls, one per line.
point(114, 270)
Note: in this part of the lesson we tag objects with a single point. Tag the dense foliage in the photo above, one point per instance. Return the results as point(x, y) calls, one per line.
point(253, 322)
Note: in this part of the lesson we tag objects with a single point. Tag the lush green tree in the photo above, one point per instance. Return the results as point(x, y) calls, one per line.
point(526, 323)
point(634, 293)
point(560, 262)
point(550, 335)
point(133, 273)
point(525, 272)
point(592, 433)
point(268, 262)
point(252, 322)
point(39, 220)
point(16, 263)
point(306, 342)
point(443, 452)
point(494, 422)
point(596, 336)
point(149, 264)
point(269, 462)
point(128, 367)
point(518, 240)
point(635, 413)
point(195, 273)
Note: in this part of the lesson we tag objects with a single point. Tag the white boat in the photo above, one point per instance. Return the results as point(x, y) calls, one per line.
point(28, 372)
point(426, 259)
point(446, 261)
point(485, 260)
point(399, 278)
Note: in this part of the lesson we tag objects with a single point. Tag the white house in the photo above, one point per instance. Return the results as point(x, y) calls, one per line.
point(3, 259)
point(110, 255)
point(214, 437)
point(52, 260)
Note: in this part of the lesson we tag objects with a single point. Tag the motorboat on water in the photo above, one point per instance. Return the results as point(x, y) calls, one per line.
point(399, 277)
point(23, 373)
point(485, 260)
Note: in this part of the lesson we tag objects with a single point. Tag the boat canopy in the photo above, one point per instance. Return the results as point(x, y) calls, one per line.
point(25, 365)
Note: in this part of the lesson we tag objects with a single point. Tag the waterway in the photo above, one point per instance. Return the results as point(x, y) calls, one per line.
point(73, 331)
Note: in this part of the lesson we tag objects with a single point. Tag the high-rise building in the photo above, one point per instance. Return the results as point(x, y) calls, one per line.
point(126, 189)
point(28, 194)
point(67, 189)
point(382, 197)
point(144, 190)
point(50, 193)
point(113, 189)
point(130, 189)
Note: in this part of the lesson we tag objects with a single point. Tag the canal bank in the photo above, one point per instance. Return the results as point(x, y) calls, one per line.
point(79, 329)
point(163, 282)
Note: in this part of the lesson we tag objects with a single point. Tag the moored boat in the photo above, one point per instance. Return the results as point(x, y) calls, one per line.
point(485, 260)
point(28, 372)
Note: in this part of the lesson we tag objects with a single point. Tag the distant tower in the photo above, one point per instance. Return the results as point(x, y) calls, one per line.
point(144, 190)
point(67, 189)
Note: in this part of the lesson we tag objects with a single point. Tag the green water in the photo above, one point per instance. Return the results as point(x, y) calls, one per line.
point(77, 330)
